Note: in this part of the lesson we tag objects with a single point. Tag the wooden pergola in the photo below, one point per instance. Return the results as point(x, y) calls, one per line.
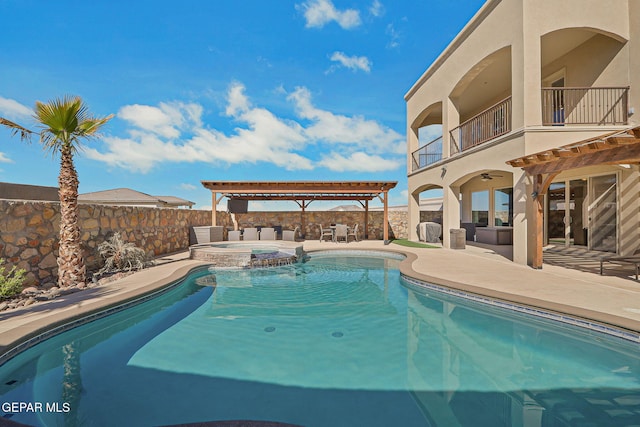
point(621, 147)
point(303, 193)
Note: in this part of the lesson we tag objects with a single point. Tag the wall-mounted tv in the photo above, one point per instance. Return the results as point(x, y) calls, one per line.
point(238, 206)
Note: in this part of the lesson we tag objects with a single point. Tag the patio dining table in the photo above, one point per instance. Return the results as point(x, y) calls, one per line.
point(333, 227)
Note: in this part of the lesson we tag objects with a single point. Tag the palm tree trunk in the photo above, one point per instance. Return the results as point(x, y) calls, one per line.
point(71, 267)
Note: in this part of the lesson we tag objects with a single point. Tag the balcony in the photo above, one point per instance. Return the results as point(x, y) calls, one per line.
point(585, 106)
point(490, 124)
point(427, 154)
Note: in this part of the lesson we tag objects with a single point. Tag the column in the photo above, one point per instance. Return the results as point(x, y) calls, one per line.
point(450, 120)
point(450, 212)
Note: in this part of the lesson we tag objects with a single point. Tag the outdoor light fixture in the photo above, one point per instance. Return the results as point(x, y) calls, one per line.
point(444, 172)
point(534, 194)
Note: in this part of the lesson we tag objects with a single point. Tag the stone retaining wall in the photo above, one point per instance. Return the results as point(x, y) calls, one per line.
point(29, 232)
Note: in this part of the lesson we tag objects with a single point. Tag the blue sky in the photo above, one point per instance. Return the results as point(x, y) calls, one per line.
point(222, 90)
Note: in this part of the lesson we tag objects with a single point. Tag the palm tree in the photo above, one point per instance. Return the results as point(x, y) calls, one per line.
point(64, 123)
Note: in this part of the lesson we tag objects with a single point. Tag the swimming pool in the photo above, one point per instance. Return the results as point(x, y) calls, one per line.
point(338, 340)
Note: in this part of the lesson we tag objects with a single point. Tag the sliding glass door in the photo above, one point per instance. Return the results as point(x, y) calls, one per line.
point(603, 213)
point(583, 212)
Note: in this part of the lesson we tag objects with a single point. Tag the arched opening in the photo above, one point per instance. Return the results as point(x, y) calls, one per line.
point(427, 127)
point(430, 204)
point(483, 100)
point(580, 84)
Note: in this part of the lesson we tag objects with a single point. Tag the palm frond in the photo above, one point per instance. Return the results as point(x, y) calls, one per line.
point(64, 122)
point(25, 134)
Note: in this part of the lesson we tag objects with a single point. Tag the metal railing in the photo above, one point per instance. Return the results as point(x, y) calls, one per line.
point(585, 106)
point(490, 124)
point(427, 154)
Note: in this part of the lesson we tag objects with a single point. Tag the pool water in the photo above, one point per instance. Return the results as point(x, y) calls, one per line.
point(335, 341)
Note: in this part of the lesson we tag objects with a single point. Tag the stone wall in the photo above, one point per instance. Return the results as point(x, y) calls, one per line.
point(29, 232)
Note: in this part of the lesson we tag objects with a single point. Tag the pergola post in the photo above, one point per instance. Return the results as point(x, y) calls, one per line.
point(538, 220)
point(385, 226)
point(366, 219)
point(214, 208)
point(303, 223)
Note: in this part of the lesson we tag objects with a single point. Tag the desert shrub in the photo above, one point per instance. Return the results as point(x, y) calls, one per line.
point(120, 256)
point(10, 281)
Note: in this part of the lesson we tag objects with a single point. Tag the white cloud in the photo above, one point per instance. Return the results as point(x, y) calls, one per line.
point(318, 13)
point(188, 187)
point(174, 132)
point(237, 101)
point(165, 120)
point(376, 9)
point(13, 110)
point(429, 133)
point(156, 132)
point(4, 158)
point(394, 37)
point(356, 131)
point(359, 162)
point(354, 63)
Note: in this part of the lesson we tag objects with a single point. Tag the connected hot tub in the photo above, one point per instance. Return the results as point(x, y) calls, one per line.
point(248, 254)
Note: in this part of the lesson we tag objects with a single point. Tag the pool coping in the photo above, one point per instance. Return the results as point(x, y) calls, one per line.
point(22, 328)
point(618, 326)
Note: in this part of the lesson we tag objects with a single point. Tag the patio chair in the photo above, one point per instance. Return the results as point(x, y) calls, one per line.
point(268, 233)
point(250, 233)
point(290, 235)
point(353, 232)
point(325, 232)
point(234, 235)
point(341, 232)
point(622, 260)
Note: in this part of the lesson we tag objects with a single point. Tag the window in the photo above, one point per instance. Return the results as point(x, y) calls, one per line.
point(480, 207)
point(503, 206)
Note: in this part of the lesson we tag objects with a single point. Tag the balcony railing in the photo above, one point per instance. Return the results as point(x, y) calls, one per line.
point(490, 124)
point(427, 154)
point(585, 106)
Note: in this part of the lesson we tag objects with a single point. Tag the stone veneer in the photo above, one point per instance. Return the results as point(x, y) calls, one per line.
point(29, 230)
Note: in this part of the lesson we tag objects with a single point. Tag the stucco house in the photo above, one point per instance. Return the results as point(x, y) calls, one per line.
point(539, 107)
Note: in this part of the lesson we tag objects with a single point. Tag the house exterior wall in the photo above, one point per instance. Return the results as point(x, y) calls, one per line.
point(591, 41)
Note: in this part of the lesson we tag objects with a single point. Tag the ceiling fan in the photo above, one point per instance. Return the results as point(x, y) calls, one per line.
point(486, 176)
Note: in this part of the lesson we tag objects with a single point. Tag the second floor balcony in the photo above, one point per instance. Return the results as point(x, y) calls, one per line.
point(585, 106)
point(561, 106)
point(489, 124)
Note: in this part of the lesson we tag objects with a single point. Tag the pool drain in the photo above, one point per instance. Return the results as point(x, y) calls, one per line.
point(337, 334)
point(269, 329)
point(12, 382)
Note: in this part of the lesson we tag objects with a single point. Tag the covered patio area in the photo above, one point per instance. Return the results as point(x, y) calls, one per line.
point(609, 161)
point(303, 193)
